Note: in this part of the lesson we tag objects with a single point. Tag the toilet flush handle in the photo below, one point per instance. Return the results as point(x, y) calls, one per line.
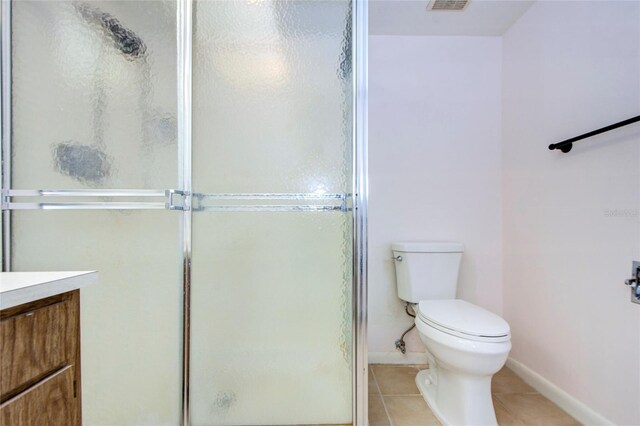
point(398, 258)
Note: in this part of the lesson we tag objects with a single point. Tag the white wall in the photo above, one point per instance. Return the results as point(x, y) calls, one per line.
point(434, 147)
point(570, 67)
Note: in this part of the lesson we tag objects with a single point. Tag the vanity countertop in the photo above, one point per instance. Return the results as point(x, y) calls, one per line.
point(17, 288)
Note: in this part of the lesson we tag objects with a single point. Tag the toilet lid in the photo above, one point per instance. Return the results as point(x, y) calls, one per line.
point(463, 318)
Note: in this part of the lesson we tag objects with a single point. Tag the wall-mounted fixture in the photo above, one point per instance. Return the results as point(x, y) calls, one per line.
point(566, 145)
point(124, 39)
point(634, 282)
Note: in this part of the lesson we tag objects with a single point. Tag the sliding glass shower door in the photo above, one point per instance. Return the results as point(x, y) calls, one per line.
point(205, 157)
point(272, 240)
point(93, 103)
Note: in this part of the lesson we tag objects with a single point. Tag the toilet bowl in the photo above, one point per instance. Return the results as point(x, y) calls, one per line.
point(465, 344)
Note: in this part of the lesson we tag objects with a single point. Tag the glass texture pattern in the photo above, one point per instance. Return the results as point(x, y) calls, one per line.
point(94, 94)
point(272, 96)
point(94, 106)
point(271, 292)
point(130, 320)
point(271, 323)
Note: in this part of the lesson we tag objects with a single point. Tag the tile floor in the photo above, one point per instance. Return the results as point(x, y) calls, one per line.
point(394, 400)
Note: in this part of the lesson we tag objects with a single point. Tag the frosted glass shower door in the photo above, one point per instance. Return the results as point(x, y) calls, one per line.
point(271, 310)
point(94, 110)
point(256, 225)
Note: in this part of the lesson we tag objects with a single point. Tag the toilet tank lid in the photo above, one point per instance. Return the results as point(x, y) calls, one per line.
point(428, 247)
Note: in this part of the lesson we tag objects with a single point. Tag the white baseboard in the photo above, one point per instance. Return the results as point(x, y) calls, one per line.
point(397, 357)
point(568, 403)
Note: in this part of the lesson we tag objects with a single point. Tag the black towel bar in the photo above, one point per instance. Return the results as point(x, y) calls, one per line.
point(565, 146)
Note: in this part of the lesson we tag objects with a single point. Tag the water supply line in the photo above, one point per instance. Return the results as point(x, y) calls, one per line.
point(400, 344)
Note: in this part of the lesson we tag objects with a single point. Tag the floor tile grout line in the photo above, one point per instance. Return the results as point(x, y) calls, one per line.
point(514, 415)
point(517, 415)
point(504, 407)
point(384, 405)
point(516, 393)
point(524, 419)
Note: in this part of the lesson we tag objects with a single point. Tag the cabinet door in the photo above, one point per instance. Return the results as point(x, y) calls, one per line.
point(36, 343)
point(51, 402)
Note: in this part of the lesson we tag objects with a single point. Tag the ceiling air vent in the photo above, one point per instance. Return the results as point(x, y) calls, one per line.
point(447, 4)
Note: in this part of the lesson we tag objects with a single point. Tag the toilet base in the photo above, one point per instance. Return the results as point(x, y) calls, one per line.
point(428, 391)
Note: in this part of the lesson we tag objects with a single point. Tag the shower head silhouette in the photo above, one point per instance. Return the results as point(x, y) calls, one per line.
point(125, 40)
point(85, 163)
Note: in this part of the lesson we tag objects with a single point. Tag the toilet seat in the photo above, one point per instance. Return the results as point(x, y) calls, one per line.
point(463, 319)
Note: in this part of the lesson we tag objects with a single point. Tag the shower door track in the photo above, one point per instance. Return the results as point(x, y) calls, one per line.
point(185, 201)
point(170, 199)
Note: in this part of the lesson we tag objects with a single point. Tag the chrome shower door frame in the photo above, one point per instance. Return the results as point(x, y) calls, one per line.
point(360, 35)
point(358, 206)
point(5, 123)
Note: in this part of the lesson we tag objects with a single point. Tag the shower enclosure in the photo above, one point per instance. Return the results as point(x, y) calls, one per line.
point(208, 158)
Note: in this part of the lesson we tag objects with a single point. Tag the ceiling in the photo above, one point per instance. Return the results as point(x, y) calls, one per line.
point(411, 17)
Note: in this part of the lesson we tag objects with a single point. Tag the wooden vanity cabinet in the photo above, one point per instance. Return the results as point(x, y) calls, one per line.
point(40, 362)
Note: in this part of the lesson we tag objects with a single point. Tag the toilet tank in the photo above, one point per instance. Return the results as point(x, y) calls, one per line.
point(427, 270)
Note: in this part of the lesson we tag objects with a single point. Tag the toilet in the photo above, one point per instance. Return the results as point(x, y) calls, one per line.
point(465, 344)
